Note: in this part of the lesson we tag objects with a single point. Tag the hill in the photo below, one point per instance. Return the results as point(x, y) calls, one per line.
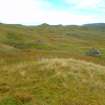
point(49, 65)
point(51, 40)
point(52, 82)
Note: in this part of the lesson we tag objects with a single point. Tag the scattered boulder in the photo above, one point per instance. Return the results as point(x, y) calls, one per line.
point(93, 52)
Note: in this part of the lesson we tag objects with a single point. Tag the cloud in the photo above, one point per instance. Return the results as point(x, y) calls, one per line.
point(21, 11)
point(31, 12)
point(62, 17)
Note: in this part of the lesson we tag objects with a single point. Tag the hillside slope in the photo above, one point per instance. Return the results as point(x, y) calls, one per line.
point(51, 41)
point(52, 82)
point(52, 37)
point(48, 65)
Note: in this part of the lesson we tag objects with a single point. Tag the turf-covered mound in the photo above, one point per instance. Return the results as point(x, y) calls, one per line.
point(54, 81)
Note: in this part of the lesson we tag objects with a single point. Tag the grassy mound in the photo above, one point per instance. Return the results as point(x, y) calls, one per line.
point(55, 81)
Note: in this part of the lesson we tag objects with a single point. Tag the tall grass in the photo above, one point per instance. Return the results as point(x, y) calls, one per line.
point(52, 81)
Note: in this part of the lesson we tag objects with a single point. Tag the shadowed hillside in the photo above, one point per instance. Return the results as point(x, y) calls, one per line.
point(100, 26)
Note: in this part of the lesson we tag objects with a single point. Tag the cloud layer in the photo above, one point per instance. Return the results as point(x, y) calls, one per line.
point(30, 12)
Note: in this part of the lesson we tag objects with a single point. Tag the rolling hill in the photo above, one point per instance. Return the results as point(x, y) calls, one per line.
point(51, 40)
point(48, 65)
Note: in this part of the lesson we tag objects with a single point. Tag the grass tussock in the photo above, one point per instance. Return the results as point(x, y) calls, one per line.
point(71, 66)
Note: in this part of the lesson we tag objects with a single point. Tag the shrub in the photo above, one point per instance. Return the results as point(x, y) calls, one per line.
point(23, 97)
point(4, 89)
point(9, 101)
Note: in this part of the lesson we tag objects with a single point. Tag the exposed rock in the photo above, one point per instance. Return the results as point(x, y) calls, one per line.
point(93, 52)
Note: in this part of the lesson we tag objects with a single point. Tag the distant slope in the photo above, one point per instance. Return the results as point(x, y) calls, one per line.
point(55, 40)
point(100, 26)
point(51, 36)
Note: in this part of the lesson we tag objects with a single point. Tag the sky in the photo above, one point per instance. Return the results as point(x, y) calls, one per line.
point(66, 12)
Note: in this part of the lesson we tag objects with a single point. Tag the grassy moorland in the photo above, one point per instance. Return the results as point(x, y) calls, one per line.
point(48, 65)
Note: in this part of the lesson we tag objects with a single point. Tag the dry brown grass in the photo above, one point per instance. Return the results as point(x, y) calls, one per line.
point(49, 80)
